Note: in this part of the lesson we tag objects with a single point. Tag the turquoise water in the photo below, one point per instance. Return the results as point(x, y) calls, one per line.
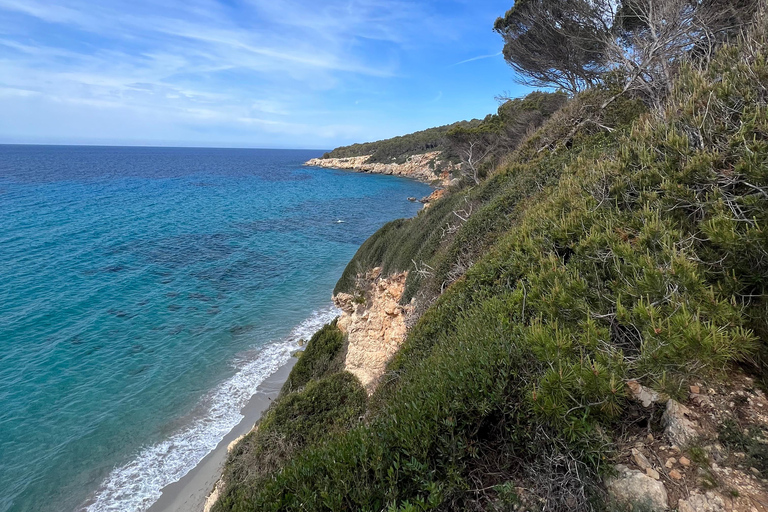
point(145, 293)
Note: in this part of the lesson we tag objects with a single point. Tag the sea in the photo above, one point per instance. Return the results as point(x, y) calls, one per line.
point(145, 293)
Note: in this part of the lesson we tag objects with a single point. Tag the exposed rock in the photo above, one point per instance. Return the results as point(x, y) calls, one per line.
point(680, 430)
point(684, 461)
point(675, 475)
point(640, 459)
point(420, 167)
point(709, 502)
point(375, 324)
point(642, 394)
point(635, 488)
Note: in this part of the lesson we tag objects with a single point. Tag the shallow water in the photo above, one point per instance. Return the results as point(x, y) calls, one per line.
point(144, 295)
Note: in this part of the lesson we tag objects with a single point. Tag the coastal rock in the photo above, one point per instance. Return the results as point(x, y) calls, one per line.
point(375, 324)
point(420, 167)
point(679, 429)
point(434, 196)
point(637, 489)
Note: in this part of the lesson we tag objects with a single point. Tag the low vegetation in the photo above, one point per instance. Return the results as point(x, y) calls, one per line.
point(622, 239)
point(398, 149)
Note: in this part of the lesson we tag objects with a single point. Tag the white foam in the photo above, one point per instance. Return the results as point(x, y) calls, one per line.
point(135, 486)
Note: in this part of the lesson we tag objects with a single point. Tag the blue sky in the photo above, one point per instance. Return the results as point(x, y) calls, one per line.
point(244, 73)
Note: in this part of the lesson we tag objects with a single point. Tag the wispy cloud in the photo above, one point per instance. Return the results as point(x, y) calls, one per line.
point(263, 67)
point(479, 57)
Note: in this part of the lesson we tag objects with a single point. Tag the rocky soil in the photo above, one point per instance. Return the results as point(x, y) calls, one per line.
point(709, 454)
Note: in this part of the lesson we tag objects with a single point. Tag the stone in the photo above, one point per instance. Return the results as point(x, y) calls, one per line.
point(710, 502)
point(755, 471)
point(670, 463)
point(642, 394)
point(635, 488)
point(652, 473)
point(679, 429)
point(675, 475)
point(695, 390)
point(640, 459)
point(684, 461)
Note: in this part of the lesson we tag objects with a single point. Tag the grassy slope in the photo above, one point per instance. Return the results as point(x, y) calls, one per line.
point(640, 253)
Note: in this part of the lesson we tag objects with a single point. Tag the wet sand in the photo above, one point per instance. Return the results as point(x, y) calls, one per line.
point(189, 493)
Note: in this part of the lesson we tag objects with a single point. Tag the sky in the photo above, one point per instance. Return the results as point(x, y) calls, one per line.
point(245, 73)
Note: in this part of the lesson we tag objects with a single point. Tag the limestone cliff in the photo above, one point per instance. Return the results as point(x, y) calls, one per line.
point(420, 167)
point(375, 323)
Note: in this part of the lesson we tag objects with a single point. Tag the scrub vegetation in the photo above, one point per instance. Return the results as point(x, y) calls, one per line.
point(624, 238)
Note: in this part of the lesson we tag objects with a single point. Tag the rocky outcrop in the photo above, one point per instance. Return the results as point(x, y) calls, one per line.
point(419, 167)
point(374, 322)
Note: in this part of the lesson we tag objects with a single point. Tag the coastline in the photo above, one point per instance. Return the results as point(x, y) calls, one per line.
point(419, 167)
point(191, 492)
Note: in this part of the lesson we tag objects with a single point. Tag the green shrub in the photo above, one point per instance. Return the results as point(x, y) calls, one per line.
point(324, 354)
point(309, 417)
point(595, 257)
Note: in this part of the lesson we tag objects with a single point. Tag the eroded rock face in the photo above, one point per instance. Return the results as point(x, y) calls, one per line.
point(419, 167)
point(635, 488)
point(374, 321)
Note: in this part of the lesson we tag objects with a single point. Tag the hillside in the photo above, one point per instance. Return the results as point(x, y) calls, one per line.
point(398, 149)
point(582, 321)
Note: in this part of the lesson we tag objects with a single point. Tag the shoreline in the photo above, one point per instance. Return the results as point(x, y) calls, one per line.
point(189, 494)
point(419, 167)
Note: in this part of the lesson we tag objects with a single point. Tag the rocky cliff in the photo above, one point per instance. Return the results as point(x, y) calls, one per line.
point(420, 167)
point(375, 324)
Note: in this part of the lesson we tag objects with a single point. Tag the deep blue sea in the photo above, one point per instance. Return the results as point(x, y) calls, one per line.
point(144, 295)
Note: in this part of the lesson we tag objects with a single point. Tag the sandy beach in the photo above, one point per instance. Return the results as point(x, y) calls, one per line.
point(189, 493)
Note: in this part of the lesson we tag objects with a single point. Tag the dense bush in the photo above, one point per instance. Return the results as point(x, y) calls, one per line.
point(323, 355)
point(596, 256)
point(309, 417)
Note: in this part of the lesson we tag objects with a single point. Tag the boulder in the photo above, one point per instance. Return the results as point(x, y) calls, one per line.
point(634, 488)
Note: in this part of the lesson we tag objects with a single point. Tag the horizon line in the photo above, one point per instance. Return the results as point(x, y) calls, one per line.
point(159, 146)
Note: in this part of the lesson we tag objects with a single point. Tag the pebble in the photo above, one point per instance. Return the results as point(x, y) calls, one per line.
point(675, 474)
point(652, 473)
point(670, 462)
point(755, 471)
point(695, 390)
point(684, 461)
